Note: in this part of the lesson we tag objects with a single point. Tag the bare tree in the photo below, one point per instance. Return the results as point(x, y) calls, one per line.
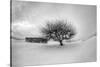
point(58, 30)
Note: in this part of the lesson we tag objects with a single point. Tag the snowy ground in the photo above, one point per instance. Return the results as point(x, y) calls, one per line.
point(24, 53)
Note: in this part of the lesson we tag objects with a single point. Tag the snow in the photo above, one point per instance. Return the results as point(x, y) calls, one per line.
point(24, 53)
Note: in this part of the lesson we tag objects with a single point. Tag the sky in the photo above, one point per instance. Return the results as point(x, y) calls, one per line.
point(29, 17)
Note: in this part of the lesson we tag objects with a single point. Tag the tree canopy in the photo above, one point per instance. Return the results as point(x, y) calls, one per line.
point(58, 30)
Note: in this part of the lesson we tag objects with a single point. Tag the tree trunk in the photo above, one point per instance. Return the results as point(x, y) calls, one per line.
point(61, 44)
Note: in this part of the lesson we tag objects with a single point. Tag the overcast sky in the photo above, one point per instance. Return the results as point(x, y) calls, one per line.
point(28, 17)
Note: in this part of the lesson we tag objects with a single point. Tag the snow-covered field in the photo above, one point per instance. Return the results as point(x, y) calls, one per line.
point(24, 53)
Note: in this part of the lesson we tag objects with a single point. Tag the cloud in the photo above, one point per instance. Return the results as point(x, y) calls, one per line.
point(24, 29)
